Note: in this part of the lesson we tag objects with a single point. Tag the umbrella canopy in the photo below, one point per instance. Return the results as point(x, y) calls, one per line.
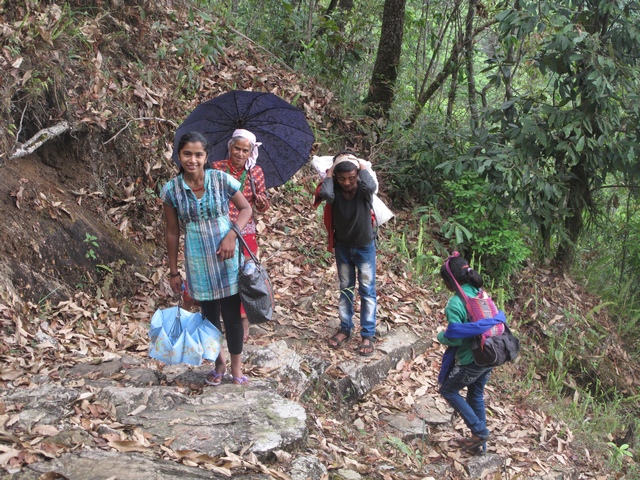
point(282, 128)
point(179, 336)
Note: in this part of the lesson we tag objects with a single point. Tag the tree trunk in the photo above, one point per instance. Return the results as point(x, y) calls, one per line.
point(447, 69)
point(545, 235)
point(421, 45)
point(312, 7)
point(453, 85)
point(468, 53)
point(385, 70)
point(578, 197)
point(451, 99)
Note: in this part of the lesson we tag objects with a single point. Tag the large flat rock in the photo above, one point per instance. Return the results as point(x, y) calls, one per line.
point(365, 373)
point(124, 405)
point(46, 404)
point(100, 465)
point(228, 416)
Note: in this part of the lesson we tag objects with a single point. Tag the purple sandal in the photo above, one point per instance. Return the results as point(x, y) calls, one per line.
point(243, 380)
point(214, 378)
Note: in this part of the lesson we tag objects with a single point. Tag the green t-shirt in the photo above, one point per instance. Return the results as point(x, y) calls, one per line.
point(457, 313)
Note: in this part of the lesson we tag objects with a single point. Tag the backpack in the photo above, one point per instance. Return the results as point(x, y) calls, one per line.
point(493, 351)
point(495, 346)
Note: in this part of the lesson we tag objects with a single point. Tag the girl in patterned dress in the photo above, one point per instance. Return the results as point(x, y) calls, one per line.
point(197, 201)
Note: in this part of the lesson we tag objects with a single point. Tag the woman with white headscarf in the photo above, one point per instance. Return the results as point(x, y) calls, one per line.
point(241, 164)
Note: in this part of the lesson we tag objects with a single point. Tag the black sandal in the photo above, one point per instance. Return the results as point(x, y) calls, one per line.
point(367, 350)
point(338, 342)
point(472, 443)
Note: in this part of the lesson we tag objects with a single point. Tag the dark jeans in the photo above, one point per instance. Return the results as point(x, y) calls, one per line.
point(472, 409)
point(230, 309)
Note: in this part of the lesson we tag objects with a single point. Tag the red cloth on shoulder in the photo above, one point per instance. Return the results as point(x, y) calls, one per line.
point(327, 218)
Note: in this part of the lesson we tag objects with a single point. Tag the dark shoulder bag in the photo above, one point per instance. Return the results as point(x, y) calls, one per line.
point(493, 351)
point(256, 291)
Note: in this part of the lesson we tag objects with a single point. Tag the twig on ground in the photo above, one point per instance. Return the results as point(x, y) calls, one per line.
point(40, 138)
point(20, 127)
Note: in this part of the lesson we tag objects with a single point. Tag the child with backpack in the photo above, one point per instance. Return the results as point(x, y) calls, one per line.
point(459, 368)
point(348, 188)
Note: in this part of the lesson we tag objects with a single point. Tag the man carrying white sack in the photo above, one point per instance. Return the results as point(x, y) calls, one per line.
point(348, 189)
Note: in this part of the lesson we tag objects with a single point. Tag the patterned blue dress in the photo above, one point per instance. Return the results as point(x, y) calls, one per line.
point(205, 222)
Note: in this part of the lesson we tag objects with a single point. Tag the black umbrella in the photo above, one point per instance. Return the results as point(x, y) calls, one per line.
point(282, 128)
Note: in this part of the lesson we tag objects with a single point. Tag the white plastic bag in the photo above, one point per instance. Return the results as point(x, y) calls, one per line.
point(322, 164)
point(381, 211)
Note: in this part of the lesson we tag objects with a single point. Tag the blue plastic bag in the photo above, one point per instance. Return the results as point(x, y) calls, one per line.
point(179, 336)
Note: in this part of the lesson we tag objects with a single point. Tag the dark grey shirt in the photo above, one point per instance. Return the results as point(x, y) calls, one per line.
point(351, 218)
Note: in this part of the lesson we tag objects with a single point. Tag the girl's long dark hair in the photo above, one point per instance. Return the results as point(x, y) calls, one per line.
point(462, 272)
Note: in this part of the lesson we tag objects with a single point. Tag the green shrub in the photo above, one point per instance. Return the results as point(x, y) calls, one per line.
point(609, 260)
point(480, 227)
point(412, 170)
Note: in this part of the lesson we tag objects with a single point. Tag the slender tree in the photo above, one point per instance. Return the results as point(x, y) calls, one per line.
point(469, 58)
point(385, 70)
point(310, 11)
point(455, 73)
point(450, 65)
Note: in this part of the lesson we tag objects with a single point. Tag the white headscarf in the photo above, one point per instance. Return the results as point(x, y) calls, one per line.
point(347, 158)
point(247, 135)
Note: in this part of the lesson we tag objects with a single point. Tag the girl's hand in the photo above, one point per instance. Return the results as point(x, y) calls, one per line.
point(227, 246)
point(176, 283)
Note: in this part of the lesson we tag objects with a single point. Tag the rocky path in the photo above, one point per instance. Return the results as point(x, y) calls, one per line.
point(126, 419)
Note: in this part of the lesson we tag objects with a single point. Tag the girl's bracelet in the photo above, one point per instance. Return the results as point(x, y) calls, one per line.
point(171, 275)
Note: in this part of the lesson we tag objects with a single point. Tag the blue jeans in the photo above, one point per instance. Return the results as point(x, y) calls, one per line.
point(472, 410)
point(348, 260)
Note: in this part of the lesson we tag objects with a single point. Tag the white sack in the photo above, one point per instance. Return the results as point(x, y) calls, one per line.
point(381, 211)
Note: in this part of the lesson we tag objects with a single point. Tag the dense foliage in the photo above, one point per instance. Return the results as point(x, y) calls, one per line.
point(550, 149)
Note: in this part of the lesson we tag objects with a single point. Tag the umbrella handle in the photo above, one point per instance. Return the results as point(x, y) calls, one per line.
point(252, 182)
point(180, 300)
point(176, 329)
